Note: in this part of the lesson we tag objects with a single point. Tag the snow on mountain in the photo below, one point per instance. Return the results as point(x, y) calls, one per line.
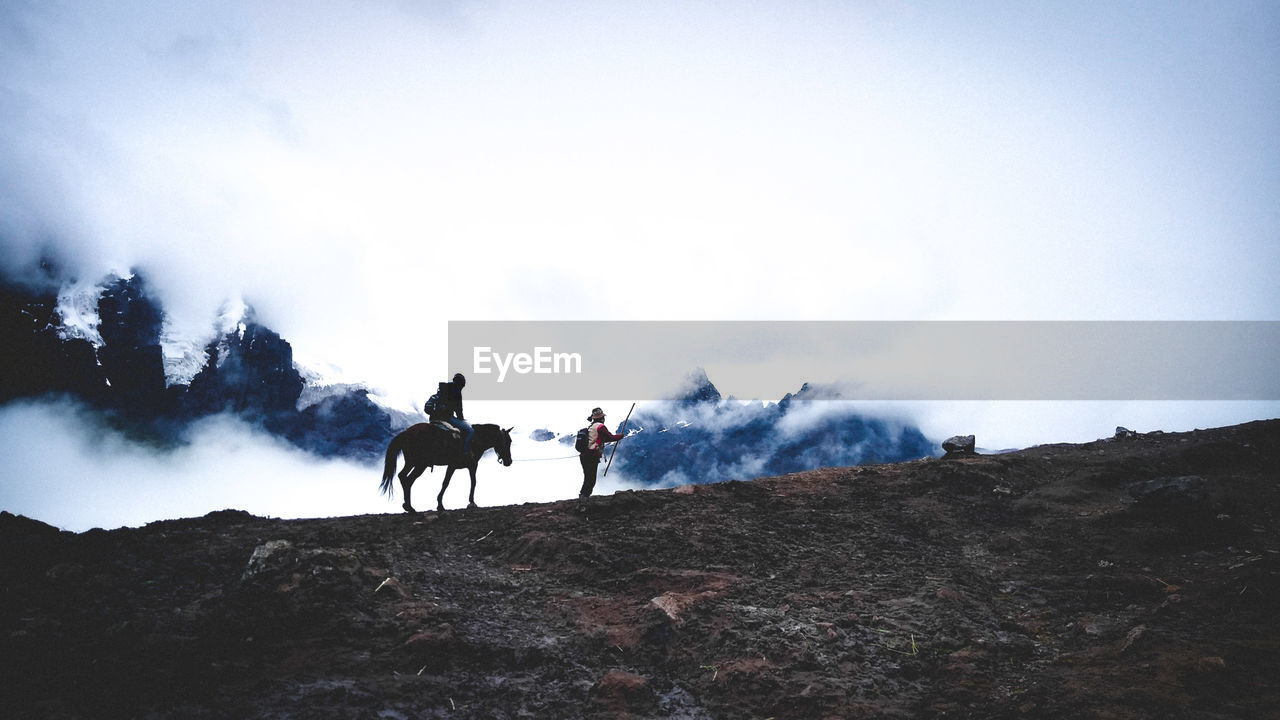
point(701, 437)
point(318, 384)
point(78, 310)
point(402, 416)
point(324, 380)
point(233, 321)
point(232, 315)
point(185, 354)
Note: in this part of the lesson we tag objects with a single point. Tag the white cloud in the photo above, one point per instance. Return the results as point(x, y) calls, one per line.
point(852, 162)
point(63, 467)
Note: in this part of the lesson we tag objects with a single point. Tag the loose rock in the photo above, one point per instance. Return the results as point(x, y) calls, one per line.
point(959, 445)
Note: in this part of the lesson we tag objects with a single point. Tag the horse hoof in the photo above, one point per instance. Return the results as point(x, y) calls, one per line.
point(439, 508)
point(472, 505)
point(408, 508)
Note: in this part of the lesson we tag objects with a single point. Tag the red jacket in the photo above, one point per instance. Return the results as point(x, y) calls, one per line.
point(598, 436)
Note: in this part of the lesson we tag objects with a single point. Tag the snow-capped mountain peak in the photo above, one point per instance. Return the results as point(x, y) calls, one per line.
point(233, 316)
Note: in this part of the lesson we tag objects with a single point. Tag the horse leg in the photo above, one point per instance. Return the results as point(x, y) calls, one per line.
point(472, 499)
point(448, 475)
point(407, 476)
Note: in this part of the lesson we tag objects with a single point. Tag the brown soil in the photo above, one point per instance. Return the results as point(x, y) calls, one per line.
point(1126, 578)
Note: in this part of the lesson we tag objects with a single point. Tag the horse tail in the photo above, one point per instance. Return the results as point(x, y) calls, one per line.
point(389, 470)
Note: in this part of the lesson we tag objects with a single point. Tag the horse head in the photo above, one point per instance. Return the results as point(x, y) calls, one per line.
point(503, 446)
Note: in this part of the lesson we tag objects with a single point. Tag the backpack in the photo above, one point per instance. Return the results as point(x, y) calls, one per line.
point(583, 443)
point(436, 402)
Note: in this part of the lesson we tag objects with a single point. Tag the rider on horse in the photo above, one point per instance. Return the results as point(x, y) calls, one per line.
point(446, 406)
point(422, 449)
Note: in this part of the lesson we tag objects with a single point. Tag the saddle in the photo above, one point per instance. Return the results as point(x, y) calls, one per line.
point(453, 431)
point(452, 439)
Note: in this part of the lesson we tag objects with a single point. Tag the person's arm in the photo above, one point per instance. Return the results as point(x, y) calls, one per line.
point(456, 396)
point(608, 436)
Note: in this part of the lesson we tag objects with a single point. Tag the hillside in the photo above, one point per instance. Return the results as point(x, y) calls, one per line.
point(1133, 577)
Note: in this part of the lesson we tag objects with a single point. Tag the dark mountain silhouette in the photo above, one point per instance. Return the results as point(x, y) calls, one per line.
point(34, 359)
point(697, 436)
point(697, 390)
point(131, 356)
point(700, 437)
point(249, 373)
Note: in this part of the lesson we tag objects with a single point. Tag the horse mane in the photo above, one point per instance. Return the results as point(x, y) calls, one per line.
point(487, 430)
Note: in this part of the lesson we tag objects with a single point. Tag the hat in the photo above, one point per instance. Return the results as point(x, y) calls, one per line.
point(596, 414)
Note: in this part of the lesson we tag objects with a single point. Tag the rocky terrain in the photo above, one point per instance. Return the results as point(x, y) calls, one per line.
point(1133, 577)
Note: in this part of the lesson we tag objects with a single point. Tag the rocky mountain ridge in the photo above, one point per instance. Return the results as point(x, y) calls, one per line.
point(701, 437)
point(248, 371)
point(106, 345)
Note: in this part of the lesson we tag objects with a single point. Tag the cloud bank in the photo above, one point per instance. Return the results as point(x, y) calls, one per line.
point(363, 173)
point(63, 466)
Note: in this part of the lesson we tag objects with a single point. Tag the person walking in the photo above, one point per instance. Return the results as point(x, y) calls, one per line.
point(597, 435)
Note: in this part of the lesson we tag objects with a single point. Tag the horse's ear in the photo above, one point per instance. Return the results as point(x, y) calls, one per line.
point(508, 430)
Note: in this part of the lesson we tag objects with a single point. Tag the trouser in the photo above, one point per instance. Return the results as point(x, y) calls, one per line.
point(467, 432)
point(590, 465)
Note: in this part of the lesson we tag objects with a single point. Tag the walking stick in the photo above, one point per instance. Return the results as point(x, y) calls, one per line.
point(623, 433)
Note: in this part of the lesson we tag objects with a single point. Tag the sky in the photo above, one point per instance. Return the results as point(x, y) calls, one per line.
point(361, 173)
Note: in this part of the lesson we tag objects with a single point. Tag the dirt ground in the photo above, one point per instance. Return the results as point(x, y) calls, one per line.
point(1134, 577)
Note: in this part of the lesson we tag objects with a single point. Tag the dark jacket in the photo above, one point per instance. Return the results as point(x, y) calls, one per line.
point(453, 399)
point(448, 403)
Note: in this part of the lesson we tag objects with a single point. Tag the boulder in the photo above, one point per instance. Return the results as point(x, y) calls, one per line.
point(959, 445)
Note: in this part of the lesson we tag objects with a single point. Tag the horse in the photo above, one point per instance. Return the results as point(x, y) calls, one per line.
point(425, 445)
